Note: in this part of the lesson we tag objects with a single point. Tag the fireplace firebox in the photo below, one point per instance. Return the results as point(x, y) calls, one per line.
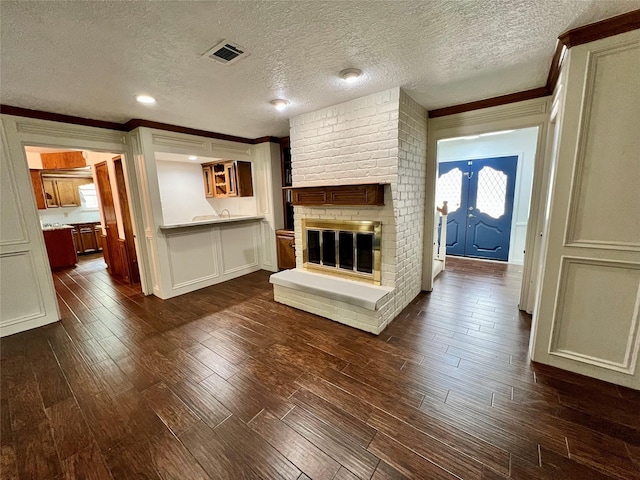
point(347, 248)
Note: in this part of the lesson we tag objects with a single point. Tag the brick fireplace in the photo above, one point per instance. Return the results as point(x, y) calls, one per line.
point(380, 138)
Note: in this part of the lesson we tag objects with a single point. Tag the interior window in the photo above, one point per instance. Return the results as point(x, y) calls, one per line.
point(88, 197)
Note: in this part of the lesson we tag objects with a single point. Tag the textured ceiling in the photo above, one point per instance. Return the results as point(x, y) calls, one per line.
point(89, 58)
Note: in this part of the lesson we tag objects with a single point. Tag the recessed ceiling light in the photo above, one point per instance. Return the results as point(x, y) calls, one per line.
point(350, 75)
point(192, 157)
point(279, 103)
point(146, 99)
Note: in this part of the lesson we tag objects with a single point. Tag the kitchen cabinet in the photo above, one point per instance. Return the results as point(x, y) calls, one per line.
point(62, 191)
point(60, 248)
point(207, 176)
point(87, 237)
point(285, 243)
point(62, 160)
point(227, 179)
point(38, 189)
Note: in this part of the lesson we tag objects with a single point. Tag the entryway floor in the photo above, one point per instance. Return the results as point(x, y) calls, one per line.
point(226, 383)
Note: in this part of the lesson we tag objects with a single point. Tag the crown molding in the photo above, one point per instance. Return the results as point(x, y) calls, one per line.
point(58, 117)
point(128, 126)
point(490, 102)
point(602, 29)
point(577, 36)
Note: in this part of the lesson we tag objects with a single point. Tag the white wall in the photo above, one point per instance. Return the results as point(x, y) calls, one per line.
point(520, 142)
point(68, 215)
point(235, 205)
point(182, 191)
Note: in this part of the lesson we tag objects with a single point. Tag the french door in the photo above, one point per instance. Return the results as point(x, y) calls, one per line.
point(480, 200)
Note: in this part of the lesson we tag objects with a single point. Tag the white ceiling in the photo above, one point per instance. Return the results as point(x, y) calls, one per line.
point(89, 58)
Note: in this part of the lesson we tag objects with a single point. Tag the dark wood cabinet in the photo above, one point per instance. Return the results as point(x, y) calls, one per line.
point(97, 233)
point(86, 237)
point(62, 160)
point(339, 195)
point(227, 179)
point(38, 189)
point(60, 248)
point(62, 191)
point(285, 242)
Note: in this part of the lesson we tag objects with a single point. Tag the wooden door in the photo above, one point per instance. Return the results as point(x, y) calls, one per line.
point(112, 255)
point(129, 237)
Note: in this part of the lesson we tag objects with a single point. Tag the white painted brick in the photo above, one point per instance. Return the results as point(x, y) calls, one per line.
point(378, 138)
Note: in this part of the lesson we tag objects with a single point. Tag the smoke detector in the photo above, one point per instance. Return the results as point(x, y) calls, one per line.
point(227, 52)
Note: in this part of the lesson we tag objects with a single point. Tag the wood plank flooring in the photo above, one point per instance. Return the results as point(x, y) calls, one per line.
point(226, 383)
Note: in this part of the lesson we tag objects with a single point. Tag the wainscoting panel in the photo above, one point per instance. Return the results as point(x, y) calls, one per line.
point(596, 316)
point(20, 296)
point(192, 257)
point(606, 174)
point(239, 247)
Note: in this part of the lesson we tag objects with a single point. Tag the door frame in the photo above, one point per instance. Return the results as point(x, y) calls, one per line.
point(23, 131)
point(528, 113)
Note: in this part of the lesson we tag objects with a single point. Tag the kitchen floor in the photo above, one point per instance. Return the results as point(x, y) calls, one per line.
point(226, 383)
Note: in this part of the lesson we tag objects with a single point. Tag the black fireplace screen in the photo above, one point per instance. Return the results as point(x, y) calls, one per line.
point(349, 248)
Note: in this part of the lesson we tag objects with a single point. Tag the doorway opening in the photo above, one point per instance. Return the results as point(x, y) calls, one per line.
point(84, 212)
point(486, 181)
point(500, 226)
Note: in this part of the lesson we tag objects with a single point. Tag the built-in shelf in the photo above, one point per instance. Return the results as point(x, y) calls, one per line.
point(371, 194)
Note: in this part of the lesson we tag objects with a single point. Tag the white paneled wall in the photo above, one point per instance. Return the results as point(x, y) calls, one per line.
point(587, 315)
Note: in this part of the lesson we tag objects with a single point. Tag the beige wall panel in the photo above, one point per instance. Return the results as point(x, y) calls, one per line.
point(596, 318)
point(20, 298)
point(192, 257)
point(605, 201)
point(239, 247)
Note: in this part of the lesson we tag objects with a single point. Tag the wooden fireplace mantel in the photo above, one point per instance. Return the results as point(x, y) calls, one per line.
point(369, 194)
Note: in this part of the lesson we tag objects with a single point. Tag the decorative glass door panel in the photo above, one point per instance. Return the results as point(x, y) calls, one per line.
point(481, 225)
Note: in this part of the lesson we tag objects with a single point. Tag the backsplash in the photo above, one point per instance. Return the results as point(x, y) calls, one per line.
point(64, 215)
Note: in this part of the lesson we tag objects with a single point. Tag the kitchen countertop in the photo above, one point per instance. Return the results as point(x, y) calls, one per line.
point(213, 220)
point(55, 227)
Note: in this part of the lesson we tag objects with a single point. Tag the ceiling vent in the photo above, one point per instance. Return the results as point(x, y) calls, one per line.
point(227, 52)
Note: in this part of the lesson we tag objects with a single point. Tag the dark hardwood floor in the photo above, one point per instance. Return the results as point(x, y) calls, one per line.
point(226, 383)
